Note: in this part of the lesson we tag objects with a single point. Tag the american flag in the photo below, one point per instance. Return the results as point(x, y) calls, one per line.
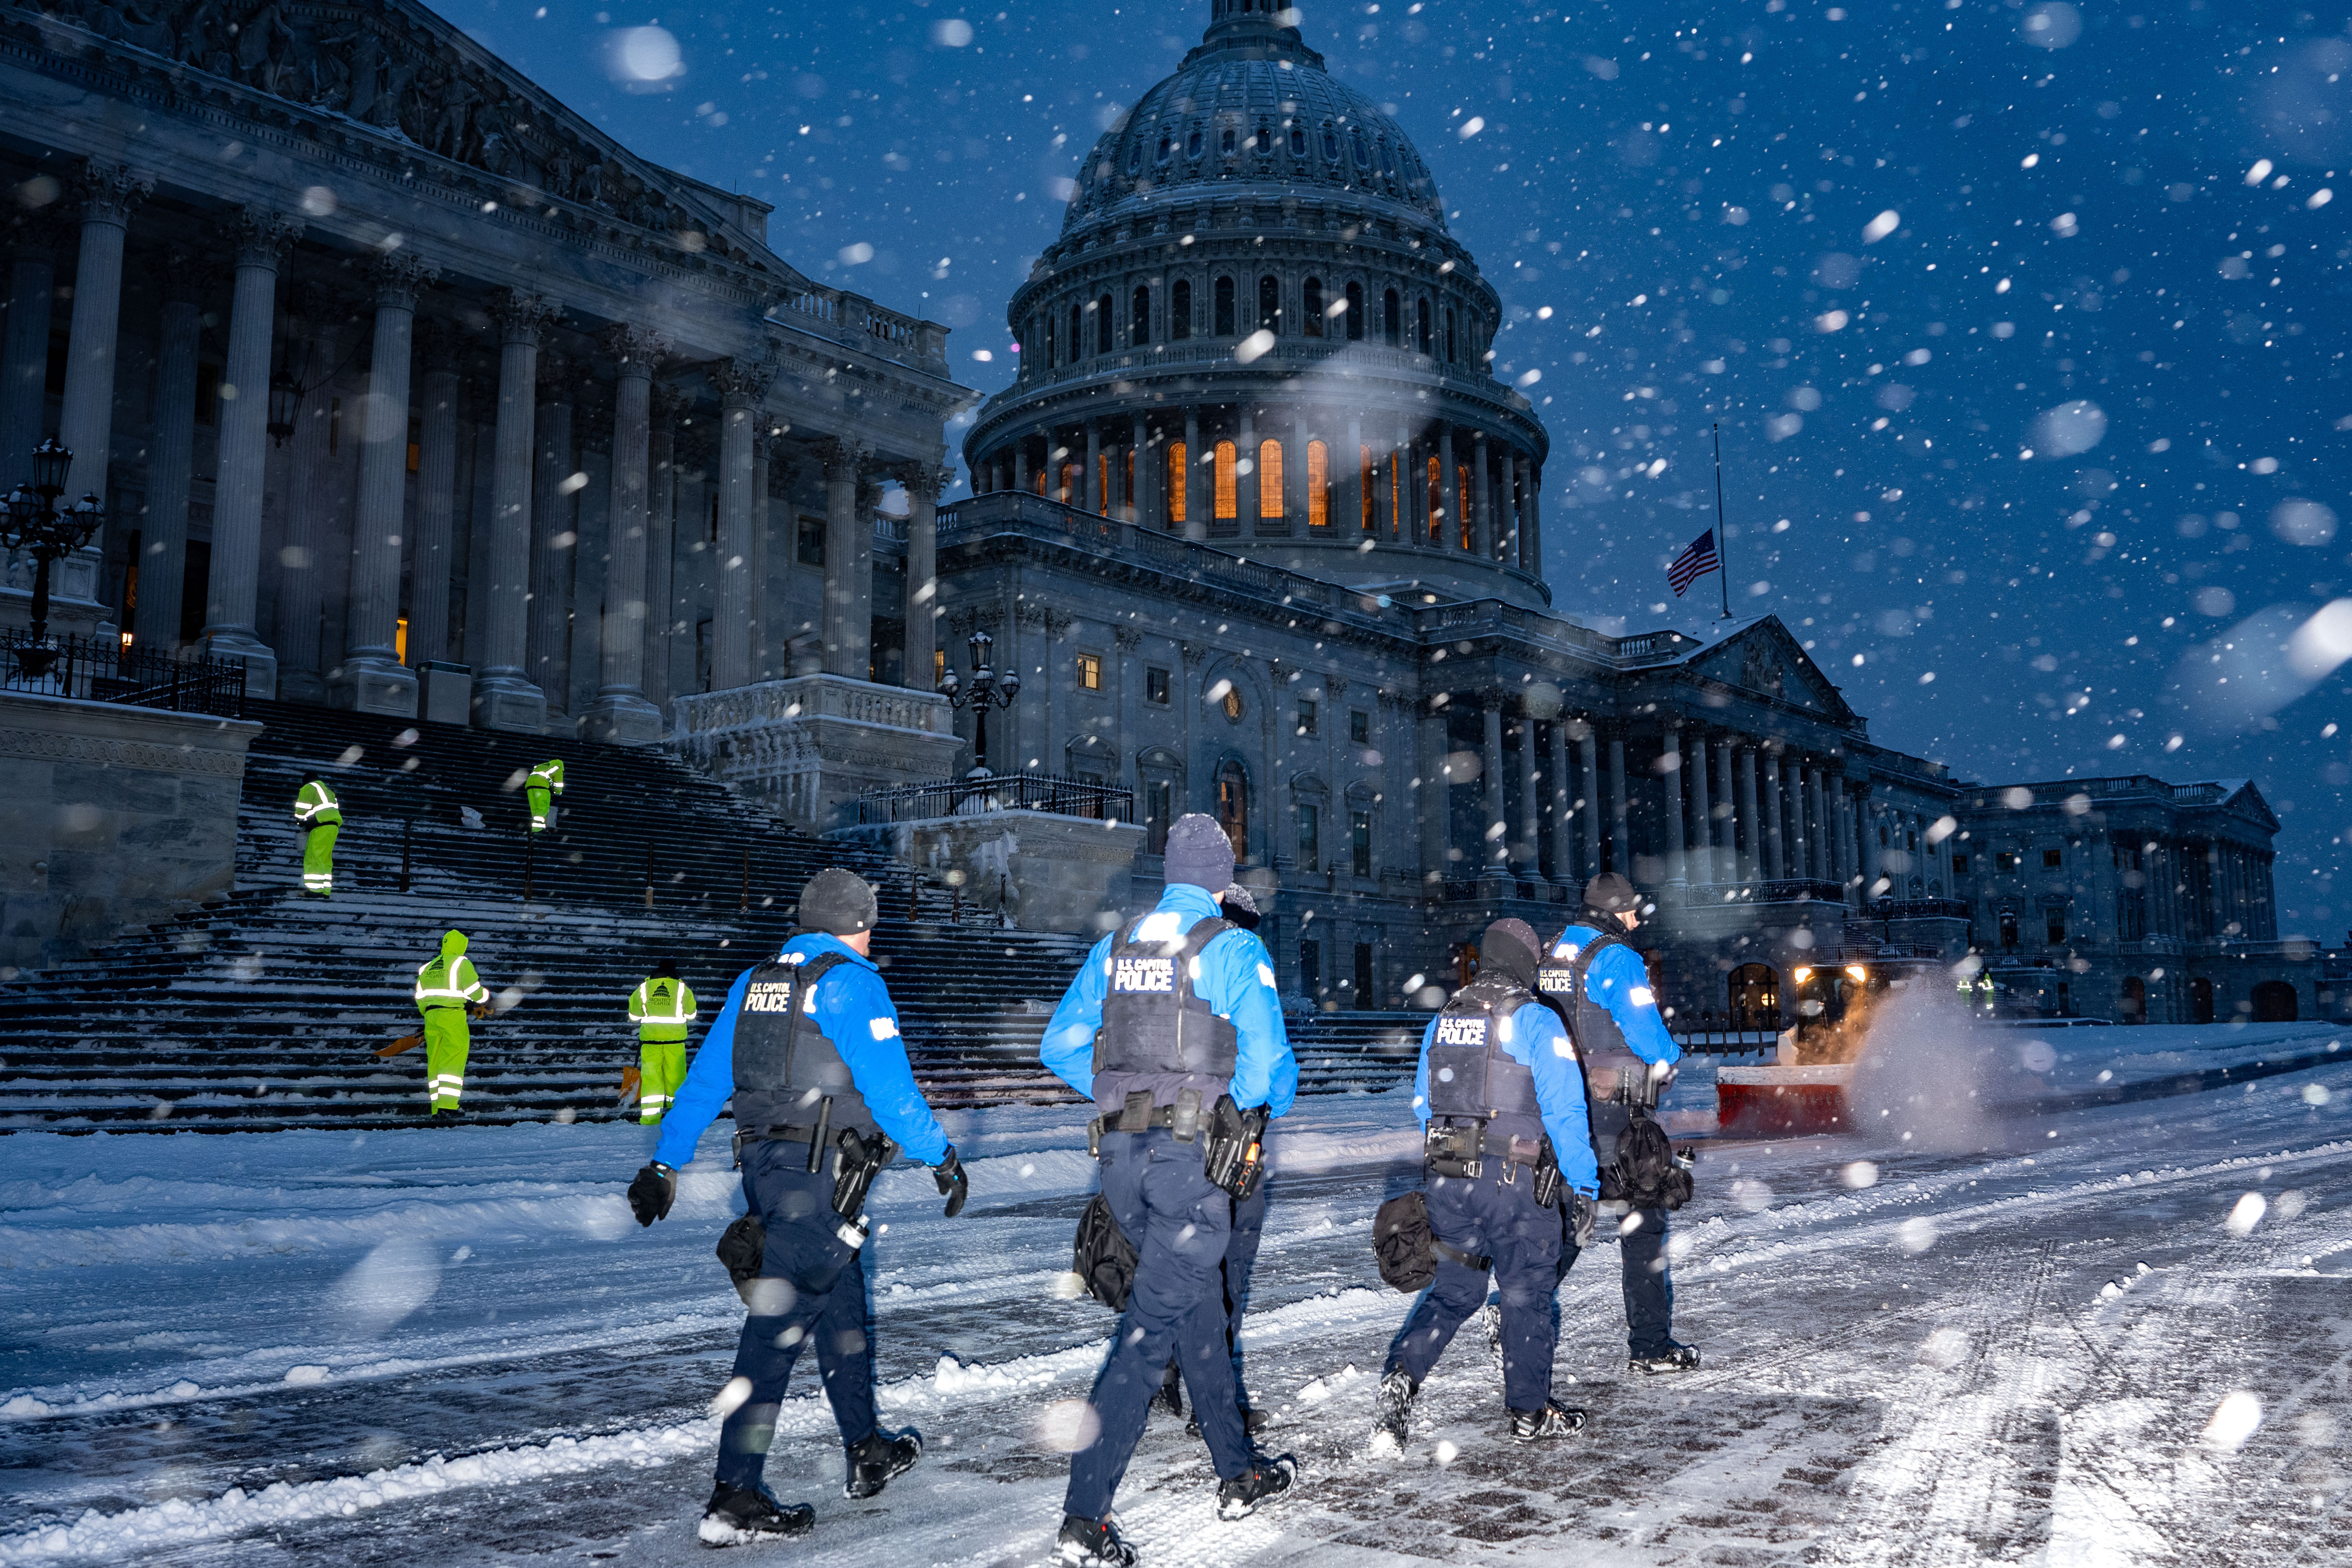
point(1693, 563)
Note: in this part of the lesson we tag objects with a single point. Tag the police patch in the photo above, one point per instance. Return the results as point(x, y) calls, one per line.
point(1460, 1032)
point(1556, 980)
point(769, 996)
point(1143, 975)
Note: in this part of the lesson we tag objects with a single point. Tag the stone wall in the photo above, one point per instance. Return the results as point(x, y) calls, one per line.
point(114, 817)
point(803, 750)
point(1068, 873)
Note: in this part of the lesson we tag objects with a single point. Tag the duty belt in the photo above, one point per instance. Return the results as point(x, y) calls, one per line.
point(1139, 1115)
point(1458, 1150)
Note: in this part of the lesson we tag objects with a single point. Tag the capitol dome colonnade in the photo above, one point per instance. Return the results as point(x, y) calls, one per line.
point(1256, 326)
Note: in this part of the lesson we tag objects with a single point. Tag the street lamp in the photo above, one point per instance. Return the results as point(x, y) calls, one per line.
point(30, 521)
point(987, 689)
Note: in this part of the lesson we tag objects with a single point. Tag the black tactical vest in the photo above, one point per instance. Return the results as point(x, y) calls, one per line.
point(1158, 1034)
point(1597, 1038)
point(1470, 1077)
point(784, 1065)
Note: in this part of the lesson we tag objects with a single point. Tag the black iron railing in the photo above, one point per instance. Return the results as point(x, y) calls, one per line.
point(1781, 890)
point(100, 671)
point(999, 792)
point(1919, 909)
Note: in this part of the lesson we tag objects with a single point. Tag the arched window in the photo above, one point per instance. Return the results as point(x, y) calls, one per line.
point(1167, 149)
point(1310, 308)
point(1421, 339)
point(1388, 159)
point(1226, 139)
point(1106, 326)
point(1269, 303)
point(1263, 141)
point(1139, 324)
point(1224, 308)
point(1180, 310)
point(1352, 307)
point(1368, 483)
point(1392, 319)
point(1318, 485)
point(1179, 462)
point(1450, 357)
point(1363, 148)
point(1232, 803)
point(1228, 501)
point(1193, 144)
point(1298, 140)
point(1330, 145)
point(1269, 480)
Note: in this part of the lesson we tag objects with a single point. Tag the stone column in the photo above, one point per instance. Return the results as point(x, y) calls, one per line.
point(1669, 773)
point(171, 453)
point(848, 621)
point(661, 540)
point(764, 587)
point(1702, 812)
point(1620, 850)
point(1449, 487)
point(1819, 852)
point(1348, 467)
point(1530, 853)
point(1494, 829)
point(1588, 776)
point(1245, 480)
point(1196, 514)
point(1531, 523)
point(262, 239)
point(1140, 503)
point(1873, 859)
point(1021, 464)
point(107, 194)
point(1482, 514)
point(504, 695)
point(741, 384)
point(1776, 856)
point(33, 241)
point(313, 554)
point(1091, 493)
point(621, 712)
point(553, 535)
point(436, 495)
point(1841, 823)
point(1567, 810)
point(924, 482)
point(1433, 805)
point(372, 678)
point(1751, 821)
point(1724, 815)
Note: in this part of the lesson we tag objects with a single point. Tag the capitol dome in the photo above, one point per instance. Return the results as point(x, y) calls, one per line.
point(1256, 326)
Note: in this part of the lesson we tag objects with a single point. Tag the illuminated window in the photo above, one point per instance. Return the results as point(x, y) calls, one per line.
point(1177, 459)
point(1368, 485)
point(938, 665)
point(1231, 702)
point(1461, 499)
point(1318, 483)
point(1089, 672)
point(1102, 481)
point(1269, 478)
point(1228, 504)
point(1396, 491)
point(1069, 484)
point(399, 640)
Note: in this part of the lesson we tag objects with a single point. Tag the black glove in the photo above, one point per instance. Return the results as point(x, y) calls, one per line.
point(1582, 1214)
point(652, 1193)
point(955, 1185)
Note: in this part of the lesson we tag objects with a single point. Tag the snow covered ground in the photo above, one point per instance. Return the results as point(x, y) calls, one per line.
point(2089, 1334)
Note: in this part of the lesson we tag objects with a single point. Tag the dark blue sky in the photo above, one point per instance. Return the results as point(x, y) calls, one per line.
point(2018, 459)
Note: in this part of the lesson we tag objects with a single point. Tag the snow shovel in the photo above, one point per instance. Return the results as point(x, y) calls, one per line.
point(630, 1078)
point(410, 1041)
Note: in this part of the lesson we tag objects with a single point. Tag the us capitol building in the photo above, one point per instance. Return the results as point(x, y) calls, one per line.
point(410, 392)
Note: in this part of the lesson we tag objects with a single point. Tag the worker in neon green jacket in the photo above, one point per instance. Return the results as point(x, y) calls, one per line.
point(663, 1005)
point(447, 989)
point(321, 816)
point(546, 782)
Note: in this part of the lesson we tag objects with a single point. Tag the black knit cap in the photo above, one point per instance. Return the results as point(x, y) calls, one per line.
point(1611, 894)
point(838, 902)
point(1510, 947)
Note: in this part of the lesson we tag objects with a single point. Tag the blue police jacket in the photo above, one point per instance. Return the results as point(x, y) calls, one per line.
point(1620, 982)
point(1534, 1038)
point(1236, 979)
point(853, 1011)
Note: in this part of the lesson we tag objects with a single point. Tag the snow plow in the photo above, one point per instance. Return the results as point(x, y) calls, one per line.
point(1807, 1090)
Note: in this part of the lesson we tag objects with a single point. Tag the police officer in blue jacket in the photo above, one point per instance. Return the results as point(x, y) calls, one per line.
point(1174, 1012)
point(1605, 989)
point(1505, 1140)
point(808, 1048)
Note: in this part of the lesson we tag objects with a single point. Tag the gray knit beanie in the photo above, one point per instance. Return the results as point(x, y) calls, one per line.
point(837, 902)
point(1199, 853)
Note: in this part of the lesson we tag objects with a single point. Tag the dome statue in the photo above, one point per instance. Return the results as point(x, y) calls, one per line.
point(1255, 326)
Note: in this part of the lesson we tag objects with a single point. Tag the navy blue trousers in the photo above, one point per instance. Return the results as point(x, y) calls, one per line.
point(1485, 1218)
point(1180, 1225)
point(1649, 1284)
point(812, 1289)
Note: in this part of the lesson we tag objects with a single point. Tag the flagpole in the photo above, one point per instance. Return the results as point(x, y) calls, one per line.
point(1722, 545)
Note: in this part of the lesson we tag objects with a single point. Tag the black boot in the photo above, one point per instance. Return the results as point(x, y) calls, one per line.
point(1266, 1479)
point(1551, 1421)
point(1393, 1414)
point(1091, 1544)
point(879, 1460)
point(1675, 1357)
point(737, 1516)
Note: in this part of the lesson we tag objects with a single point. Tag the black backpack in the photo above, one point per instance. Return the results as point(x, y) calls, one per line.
point(1102, 1256)
point(1645, 1172)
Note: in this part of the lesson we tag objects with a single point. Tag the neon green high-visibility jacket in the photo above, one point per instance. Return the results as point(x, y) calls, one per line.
point(449, 981)
point(315, 804)
point(548, 776)
point(663, 1008)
